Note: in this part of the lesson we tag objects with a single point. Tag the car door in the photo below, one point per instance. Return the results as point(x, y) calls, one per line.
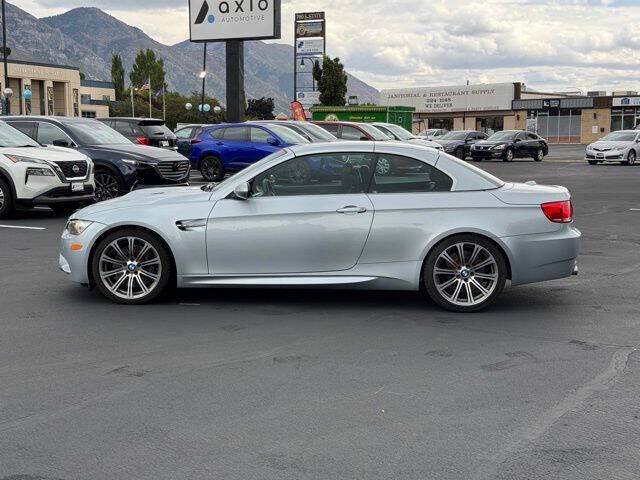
point(259, 145)
point(183, 141)
point(520, 145)
point(235, 148)
point(288, 227)
point(535, 142)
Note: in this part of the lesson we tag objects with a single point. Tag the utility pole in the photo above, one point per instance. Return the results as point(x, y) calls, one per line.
point(5, 54)
point(204, 77)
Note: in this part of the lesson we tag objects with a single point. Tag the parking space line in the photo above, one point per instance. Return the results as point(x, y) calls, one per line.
point(22, 228)
point(635, 209)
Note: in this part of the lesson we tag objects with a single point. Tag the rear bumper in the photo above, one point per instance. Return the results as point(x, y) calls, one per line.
point(546, 256)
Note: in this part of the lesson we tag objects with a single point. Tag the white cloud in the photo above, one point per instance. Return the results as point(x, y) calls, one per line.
point(393, 43)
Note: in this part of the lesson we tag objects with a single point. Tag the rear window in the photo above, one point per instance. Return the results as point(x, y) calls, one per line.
point(156, 130)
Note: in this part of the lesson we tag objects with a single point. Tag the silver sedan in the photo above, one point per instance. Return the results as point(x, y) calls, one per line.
point(622, 146)
point(322, 215)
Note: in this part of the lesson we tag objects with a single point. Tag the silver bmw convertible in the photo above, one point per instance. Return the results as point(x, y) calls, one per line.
point(323, 215)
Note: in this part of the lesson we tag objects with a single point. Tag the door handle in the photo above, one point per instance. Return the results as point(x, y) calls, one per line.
point(351, 209)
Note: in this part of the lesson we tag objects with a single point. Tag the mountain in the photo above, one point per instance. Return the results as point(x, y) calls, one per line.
point(87, 37)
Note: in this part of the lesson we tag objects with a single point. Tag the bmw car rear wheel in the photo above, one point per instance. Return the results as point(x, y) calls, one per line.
point(464, 273)
point(131, 267)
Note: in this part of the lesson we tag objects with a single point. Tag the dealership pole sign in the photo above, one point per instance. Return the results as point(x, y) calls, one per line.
point(219, 20)
point(310, 45)
point(233, 22)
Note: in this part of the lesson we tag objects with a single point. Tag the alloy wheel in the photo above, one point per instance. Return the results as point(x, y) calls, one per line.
point(540, 155)
point(2, 201)
point(130, 268)
point(509, 155)
point(211, 170)
point(465, 274)
point(631, 158)
point(107, 186)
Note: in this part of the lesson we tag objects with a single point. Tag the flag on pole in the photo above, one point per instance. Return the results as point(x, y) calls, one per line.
point(160, 93)
point(145, 87)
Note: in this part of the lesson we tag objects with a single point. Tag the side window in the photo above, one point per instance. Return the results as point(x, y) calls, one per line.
point(351, 133)
point(258, 135)
point(396, 174)
point(238, 134)
point(218, 133)
point(184, 133)
point(482, 136)
point(532, 136)
point(25, 127)
point(137, 130)
point(48, 133)
point(323, 174)
point(521, 136)
point(331, 128)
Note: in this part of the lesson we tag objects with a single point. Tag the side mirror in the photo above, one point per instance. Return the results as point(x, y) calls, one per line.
point(242, 191)
point(516, 140)
point(61, 143)
point(274, 142)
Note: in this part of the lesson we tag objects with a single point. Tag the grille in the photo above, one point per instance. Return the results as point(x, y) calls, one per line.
point(64, 192)
point(68, 169)
point(174, 170)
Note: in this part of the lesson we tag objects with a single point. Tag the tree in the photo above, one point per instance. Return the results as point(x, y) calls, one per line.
point(117, 75)
point(146, 66)
point(332, 81)
point(260, 109)
point(82, 76)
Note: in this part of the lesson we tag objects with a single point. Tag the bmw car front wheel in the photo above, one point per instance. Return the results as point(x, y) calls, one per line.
point(131, 267)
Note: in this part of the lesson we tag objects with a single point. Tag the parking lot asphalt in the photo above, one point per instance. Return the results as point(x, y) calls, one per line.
point(300, 384)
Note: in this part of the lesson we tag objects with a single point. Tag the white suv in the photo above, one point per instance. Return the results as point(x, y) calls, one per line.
point(31, 174)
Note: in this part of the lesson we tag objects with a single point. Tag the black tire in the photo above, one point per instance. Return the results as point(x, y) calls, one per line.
point(508, 155)
point(212, 169)
point(539, 155)
point(593, 162)
point(631, 158)
point(459, 153)
point(165, 271)
point(6, 200)
point(498, 267)
point(108, 185)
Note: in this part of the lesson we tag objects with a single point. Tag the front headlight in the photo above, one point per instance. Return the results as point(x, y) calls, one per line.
point(76, 227)
point(499, 147)
point(131, 162)
point(20, 158)
point(39, 172)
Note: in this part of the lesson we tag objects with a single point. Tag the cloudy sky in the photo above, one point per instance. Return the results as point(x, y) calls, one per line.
point(547, 44)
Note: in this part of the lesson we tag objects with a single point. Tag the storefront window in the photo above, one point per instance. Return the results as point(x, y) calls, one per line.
point(624, 118)
point(445, 123)
point(490, 125)
point(556, 125)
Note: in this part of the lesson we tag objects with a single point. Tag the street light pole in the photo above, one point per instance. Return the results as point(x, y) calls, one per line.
point(4, 53)
point(204, 76)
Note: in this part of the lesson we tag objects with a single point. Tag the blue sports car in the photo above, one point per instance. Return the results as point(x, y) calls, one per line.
point(230, 147)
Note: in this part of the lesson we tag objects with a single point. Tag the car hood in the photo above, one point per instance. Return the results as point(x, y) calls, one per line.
point(609, 144)
point(136, 152)
point(530, 193)
point(424, 142)
point(52, 154)
point(157, 197)
point(448, 143)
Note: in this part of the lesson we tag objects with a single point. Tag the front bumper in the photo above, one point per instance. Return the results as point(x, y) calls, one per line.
point(487, 153)
point(604, 156)
point(75, 263)
point(545, 256)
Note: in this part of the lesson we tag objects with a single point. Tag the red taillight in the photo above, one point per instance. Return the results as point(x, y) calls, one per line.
point(195, 140)
point(143, 141)
point(558, 212)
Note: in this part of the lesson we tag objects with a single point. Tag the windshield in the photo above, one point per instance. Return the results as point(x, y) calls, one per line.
point(501, 136)
point(374, 132)
point(429, 132)
point(399, 132)
point(11, 137)
point(620, 137)
point(316, 132)
point(288, 135)
point(96, 133)
point(454, 136)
